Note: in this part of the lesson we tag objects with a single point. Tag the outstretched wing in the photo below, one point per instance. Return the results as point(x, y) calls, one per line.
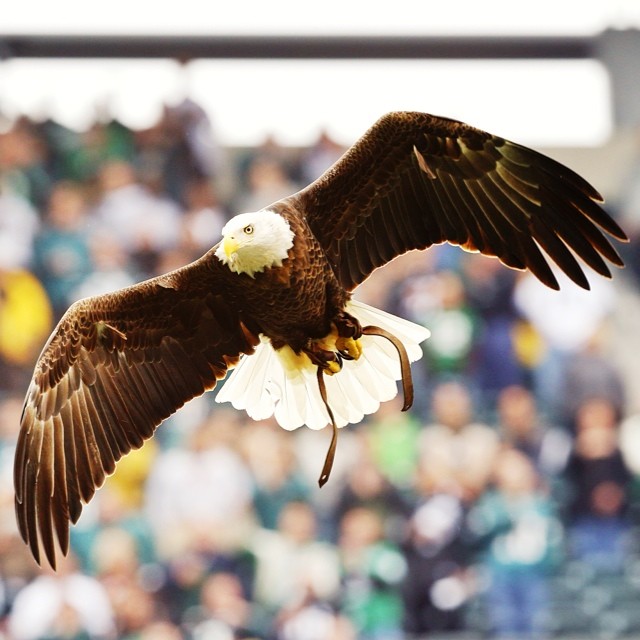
point(114, 368)
point(414, 180)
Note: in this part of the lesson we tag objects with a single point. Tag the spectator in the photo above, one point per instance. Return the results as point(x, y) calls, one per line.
point(294, 569)
point(437, 583)
point(453, 325)
point(366, 486)
point(81, 155)
point(372, 570)
point(392, 438)
point(65, 604)
point(224, 607)
point(112, 268)
point(201, 487)
point(566, 321)
point(523, 428)
point(456, 452)
point(319, 157)
point(23, 169)
point(204, 217)
point(267, 182)
point(591, 372)
point(62, 256)
point(112, 511)
point(19, 224)
point(600, 481)
point(516, 527)
point(489, 292)
point(192, 152)
point(271, 460)
point(144, 222)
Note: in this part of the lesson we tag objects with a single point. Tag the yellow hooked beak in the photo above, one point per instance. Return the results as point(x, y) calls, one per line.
point(230, 246)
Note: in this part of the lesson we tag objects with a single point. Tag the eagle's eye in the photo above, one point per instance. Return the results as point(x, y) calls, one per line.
point(248, 229)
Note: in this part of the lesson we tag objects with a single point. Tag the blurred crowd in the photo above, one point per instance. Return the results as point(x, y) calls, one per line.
point(500, 504)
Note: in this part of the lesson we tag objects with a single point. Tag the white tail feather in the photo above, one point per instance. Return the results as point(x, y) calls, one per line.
point(266, 384)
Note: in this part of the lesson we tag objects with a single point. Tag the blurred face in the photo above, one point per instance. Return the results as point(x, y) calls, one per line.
point(116, 174)
point(66, 206)
point(596, 412)
point(221, 591)
point(515, 474)
point(452, 406)
point(297, 522)
point(596, 426)
point(360, 528)
point(517, 410)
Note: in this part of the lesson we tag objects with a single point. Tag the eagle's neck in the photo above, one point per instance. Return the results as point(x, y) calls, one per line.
point(254, 262)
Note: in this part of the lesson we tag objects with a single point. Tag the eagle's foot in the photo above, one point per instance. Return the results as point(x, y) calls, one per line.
point(349, 348)
point(347, 326)
point(333, 366)
point(330, 362)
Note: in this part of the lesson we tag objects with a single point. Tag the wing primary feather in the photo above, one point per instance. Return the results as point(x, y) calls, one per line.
point(22, 446)
point(520, 179)
point(450, 226)
point(536, 262)
point(595, 237)
point(60, 498)
point(491, 239)
point(506, 234)
point(474, 238)
point(577, 231)
point(176, 390)
point(44, 492)
point(87, 370)
point(100, 409)
point(560, 254)
point(525, 205)
point(74, 503)
point(123, 412)
point(21, 505)
point(590, 207)
point(528, 157)
point(583, 248)
point(89, 412)
point(87, 460)
point(502, 224)
point(137, 415)
point(30, 511)
point(157, 395)
point(504, 206)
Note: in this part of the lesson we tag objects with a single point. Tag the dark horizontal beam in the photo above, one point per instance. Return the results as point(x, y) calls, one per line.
point(295, 47)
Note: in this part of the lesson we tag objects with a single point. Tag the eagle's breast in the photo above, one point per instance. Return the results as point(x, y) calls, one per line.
point(298, 299)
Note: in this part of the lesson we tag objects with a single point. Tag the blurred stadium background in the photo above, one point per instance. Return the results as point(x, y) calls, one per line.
point(506, 503)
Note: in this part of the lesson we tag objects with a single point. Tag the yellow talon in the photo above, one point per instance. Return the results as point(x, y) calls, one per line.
point(353, 348)
point(333, 366)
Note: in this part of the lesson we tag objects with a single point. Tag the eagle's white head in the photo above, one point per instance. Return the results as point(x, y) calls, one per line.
point(253, 242)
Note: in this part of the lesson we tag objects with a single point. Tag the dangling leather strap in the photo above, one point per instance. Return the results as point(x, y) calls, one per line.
point(405, 366)
point(407, 390)
point(328, 461)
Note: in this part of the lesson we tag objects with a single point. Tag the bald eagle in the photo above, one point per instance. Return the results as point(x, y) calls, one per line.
point(273, 301)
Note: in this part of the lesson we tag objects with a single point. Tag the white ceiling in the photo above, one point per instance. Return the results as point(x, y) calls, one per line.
point(330, 16)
